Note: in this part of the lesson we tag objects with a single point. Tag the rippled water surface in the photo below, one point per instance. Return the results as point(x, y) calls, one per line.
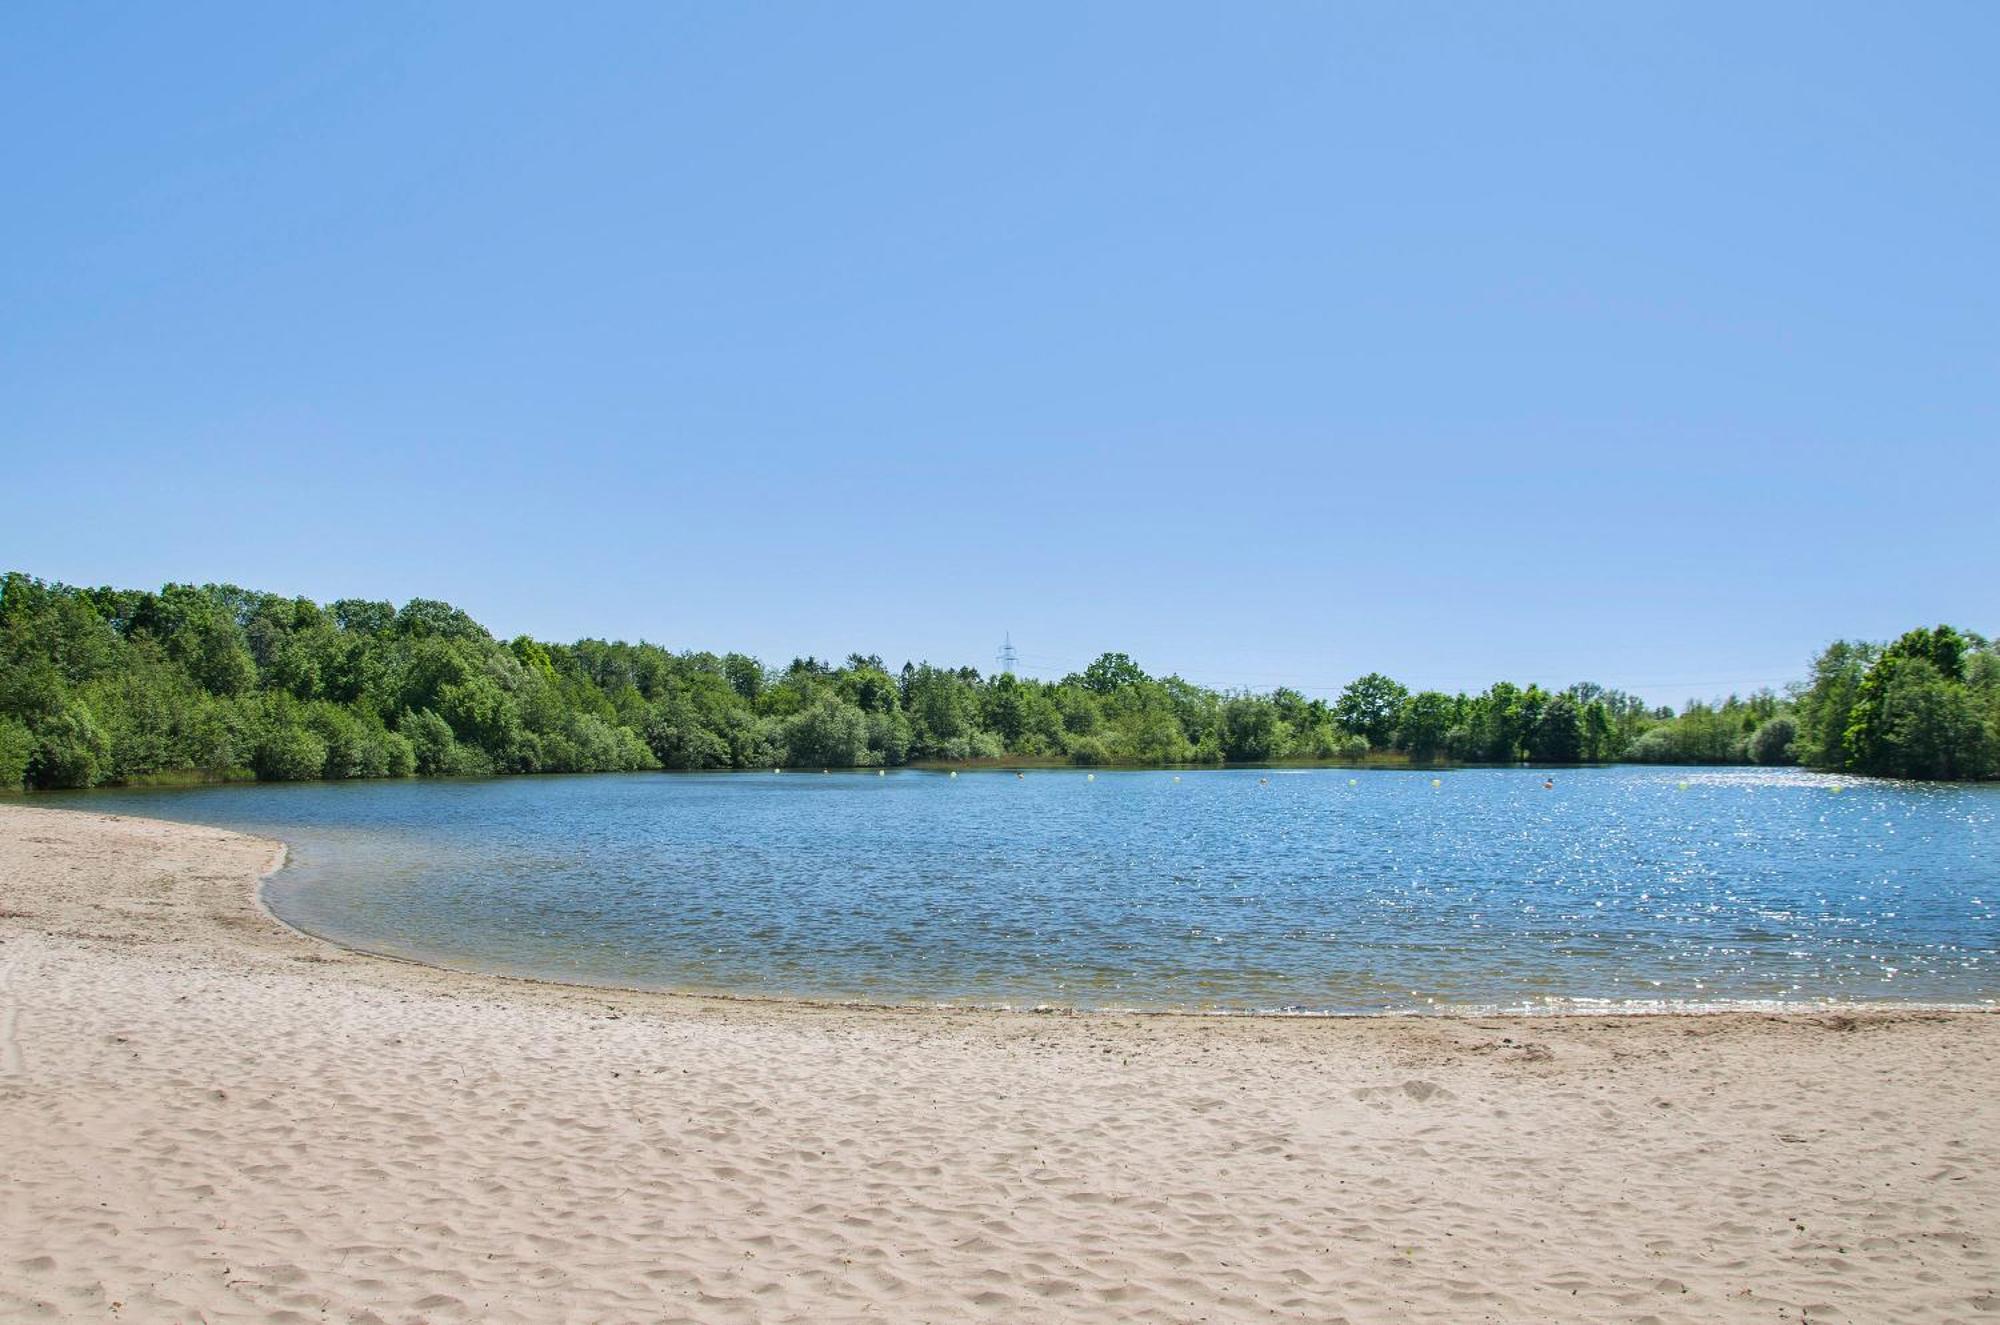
point(1321, 890)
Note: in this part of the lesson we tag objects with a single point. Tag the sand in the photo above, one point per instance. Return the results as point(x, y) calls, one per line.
point(205, 1116)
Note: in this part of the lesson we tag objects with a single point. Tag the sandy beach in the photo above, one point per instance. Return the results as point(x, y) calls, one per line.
point(205, 1116)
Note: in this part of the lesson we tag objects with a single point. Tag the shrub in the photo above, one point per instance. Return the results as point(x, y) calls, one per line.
point(70, 750)
point(433, 746)
point(1775, 742)
point(1655, 747)
point(394, 754)
point(348, 750)
point(17, 747)
point(830, 734)
point(678, 738)
point(285, 753)
point(1088, 750)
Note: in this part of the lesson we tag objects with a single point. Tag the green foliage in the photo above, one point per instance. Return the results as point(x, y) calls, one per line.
point(1913, 714)
point(1656, 746)
point(1111, 673)
point(1923, 723)
point(830, 734)
point(1425, 723)
point(71, 750)
point(1775, 741)
point(1826, 704)
point(1371, 706)
point(434, 747)
point(110, 685)
point(1557, 734)
point(17, 747)
point(1927, 706)
point(888, 738)
point(1252, 732)
point(1704, 733)
point(285, 753)
point(679, 738)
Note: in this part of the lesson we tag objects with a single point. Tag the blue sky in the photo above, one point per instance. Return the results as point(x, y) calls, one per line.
point(1650, 344)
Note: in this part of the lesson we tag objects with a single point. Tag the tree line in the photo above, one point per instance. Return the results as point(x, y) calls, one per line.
point(216, 682)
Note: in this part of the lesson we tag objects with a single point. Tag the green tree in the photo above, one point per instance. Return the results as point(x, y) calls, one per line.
point(1111, 673)
point(1934, 661)
point(1775, 741)
point(106, 685)
point(1252, 732)
point(71, 750)
point(1370, 706)
point(1600, 737)
point(1826, 705)
point(830, 734)
point(1557, 734)
point(1425, 723)
point(680, 739)
point(1929, 726)
point(285, 753)
point(17, 747)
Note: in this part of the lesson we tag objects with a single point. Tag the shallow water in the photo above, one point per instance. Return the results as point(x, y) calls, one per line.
point(1321, 890)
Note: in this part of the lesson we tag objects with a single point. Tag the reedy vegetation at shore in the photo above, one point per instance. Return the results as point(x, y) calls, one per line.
point(116, 685)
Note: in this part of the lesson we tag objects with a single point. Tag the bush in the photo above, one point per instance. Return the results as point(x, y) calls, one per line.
point(17, 747)
point(348, 749)
point(394, 754)
point(1088, 750)
point(1655, 747)
point(286, 753)
point(359, 748)
point(432, 744)
point(1252, 731)
point(1775, 742)
point(70, 750)
point(677, 737)
point(830, 734)
point(889, 737)
point(597, 746)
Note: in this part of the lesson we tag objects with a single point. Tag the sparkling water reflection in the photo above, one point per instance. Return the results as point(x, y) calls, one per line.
point(1314, 890)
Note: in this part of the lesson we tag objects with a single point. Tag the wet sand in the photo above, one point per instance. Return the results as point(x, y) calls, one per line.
point(206, 1116)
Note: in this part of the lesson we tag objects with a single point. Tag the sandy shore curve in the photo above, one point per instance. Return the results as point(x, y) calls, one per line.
point(206, 1115)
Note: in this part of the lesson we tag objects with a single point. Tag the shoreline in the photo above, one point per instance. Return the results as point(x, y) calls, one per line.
point(280, 857)
point(215, 1116)
point(1577, 1007)
point(1661, 1009)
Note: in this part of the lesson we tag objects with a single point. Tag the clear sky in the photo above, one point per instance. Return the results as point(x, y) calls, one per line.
point(1650, 344)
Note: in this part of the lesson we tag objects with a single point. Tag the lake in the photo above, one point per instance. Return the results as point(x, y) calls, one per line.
point(1316, 890)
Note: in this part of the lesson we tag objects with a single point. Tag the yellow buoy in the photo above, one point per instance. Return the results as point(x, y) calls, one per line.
point(1437, 782)
point(881, 772)
point(1177, 777)
point(1683, 786)
point(1354, 782)
point(1090, 777)
point(954, 772)
point(1836, 790)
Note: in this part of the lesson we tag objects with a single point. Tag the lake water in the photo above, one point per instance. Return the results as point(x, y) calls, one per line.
point(1323, 890)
